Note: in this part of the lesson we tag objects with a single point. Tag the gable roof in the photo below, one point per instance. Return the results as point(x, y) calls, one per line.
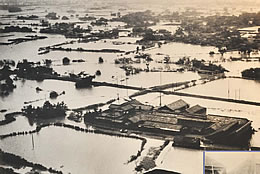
point(177, 105)
point(134, 102)
point(114, 106)
point(126, 107)
point(195, 109)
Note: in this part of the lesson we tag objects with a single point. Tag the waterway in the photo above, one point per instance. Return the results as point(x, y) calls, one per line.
point(80, 153)
point(76, 152)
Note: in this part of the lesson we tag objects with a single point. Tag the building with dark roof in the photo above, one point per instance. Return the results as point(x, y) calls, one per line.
point(114, 107)
point(177, 106)
point(140, 106)
point(197, 109)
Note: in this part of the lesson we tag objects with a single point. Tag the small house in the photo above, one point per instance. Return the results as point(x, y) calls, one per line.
point(114, 107)
point(197, 109)
point(127, 108)
point(122, 109)
point(177, 106)
point(140, 106)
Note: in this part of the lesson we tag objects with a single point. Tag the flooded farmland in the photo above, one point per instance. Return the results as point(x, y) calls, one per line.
point(126, 87)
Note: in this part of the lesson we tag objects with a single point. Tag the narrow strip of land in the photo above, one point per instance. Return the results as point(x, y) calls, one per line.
point(211, 98)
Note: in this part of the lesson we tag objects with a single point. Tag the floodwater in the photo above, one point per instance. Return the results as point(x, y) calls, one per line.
point(25, 92)
point(191, 158)
point(96, 154)
point(74, 152)
point(80, 153)
point(225, 88)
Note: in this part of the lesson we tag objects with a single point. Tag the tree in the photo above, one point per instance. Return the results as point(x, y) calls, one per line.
point(66, 61)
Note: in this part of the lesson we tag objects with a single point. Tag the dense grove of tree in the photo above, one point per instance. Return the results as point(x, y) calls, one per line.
point(140, 19)
point(253, 73)
point(48, 110)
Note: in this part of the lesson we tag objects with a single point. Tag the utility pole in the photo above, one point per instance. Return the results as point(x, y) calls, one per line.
point(117, 87)
point(32, 142)
point(160, 91)
point(126, 86)
point(228, 89)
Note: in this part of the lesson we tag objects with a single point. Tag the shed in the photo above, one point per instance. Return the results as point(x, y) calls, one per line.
point(138, 105)
point(197, 109)
point(127, 107)
point(145, 107)
point(179, 105)
point(114, 107)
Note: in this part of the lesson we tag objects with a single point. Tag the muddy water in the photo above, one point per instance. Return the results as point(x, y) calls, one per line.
point(238, 89)
point(80, 153)
point(90, 153)
point(74, 152)
point(181, 160)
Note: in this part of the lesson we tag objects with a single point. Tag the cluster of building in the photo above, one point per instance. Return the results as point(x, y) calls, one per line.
point(174, 119)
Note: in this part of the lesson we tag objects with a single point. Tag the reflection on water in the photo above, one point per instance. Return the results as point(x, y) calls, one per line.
point(229, 88)
point(21, 124)
point(25, 92)
point(181, 160)
point(219, 88)
point(90, 153)
point(75, 152)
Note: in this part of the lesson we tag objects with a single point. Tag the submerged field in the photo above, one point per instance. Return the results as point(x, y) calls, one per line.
point(72, 151)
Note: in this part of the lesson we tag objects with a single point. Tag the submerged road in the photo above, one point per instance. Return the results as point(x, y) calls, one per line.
point(160, 88)
point(143, 91)
point(211, 98)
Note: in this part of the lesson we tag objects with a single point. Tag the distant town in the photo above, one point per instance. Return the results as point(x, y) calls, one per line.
point(126, 87)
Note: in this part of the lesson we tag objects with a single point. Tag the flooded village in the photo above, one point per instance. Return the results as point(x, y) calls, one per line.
point(126, 86)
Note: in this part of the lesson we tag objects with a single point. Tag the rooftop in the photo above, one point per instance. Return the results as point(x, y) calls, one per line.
point(177, 105)
point(195, 109)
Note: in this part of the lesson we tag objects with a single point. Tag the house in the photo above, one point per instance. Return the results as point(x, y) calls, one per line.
point(122, 109)
point(127, 108)
point(140, 106)
point(114, 107)
point(52, 15)
point(177, 106)
point(145, 107)
point(197, 109)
